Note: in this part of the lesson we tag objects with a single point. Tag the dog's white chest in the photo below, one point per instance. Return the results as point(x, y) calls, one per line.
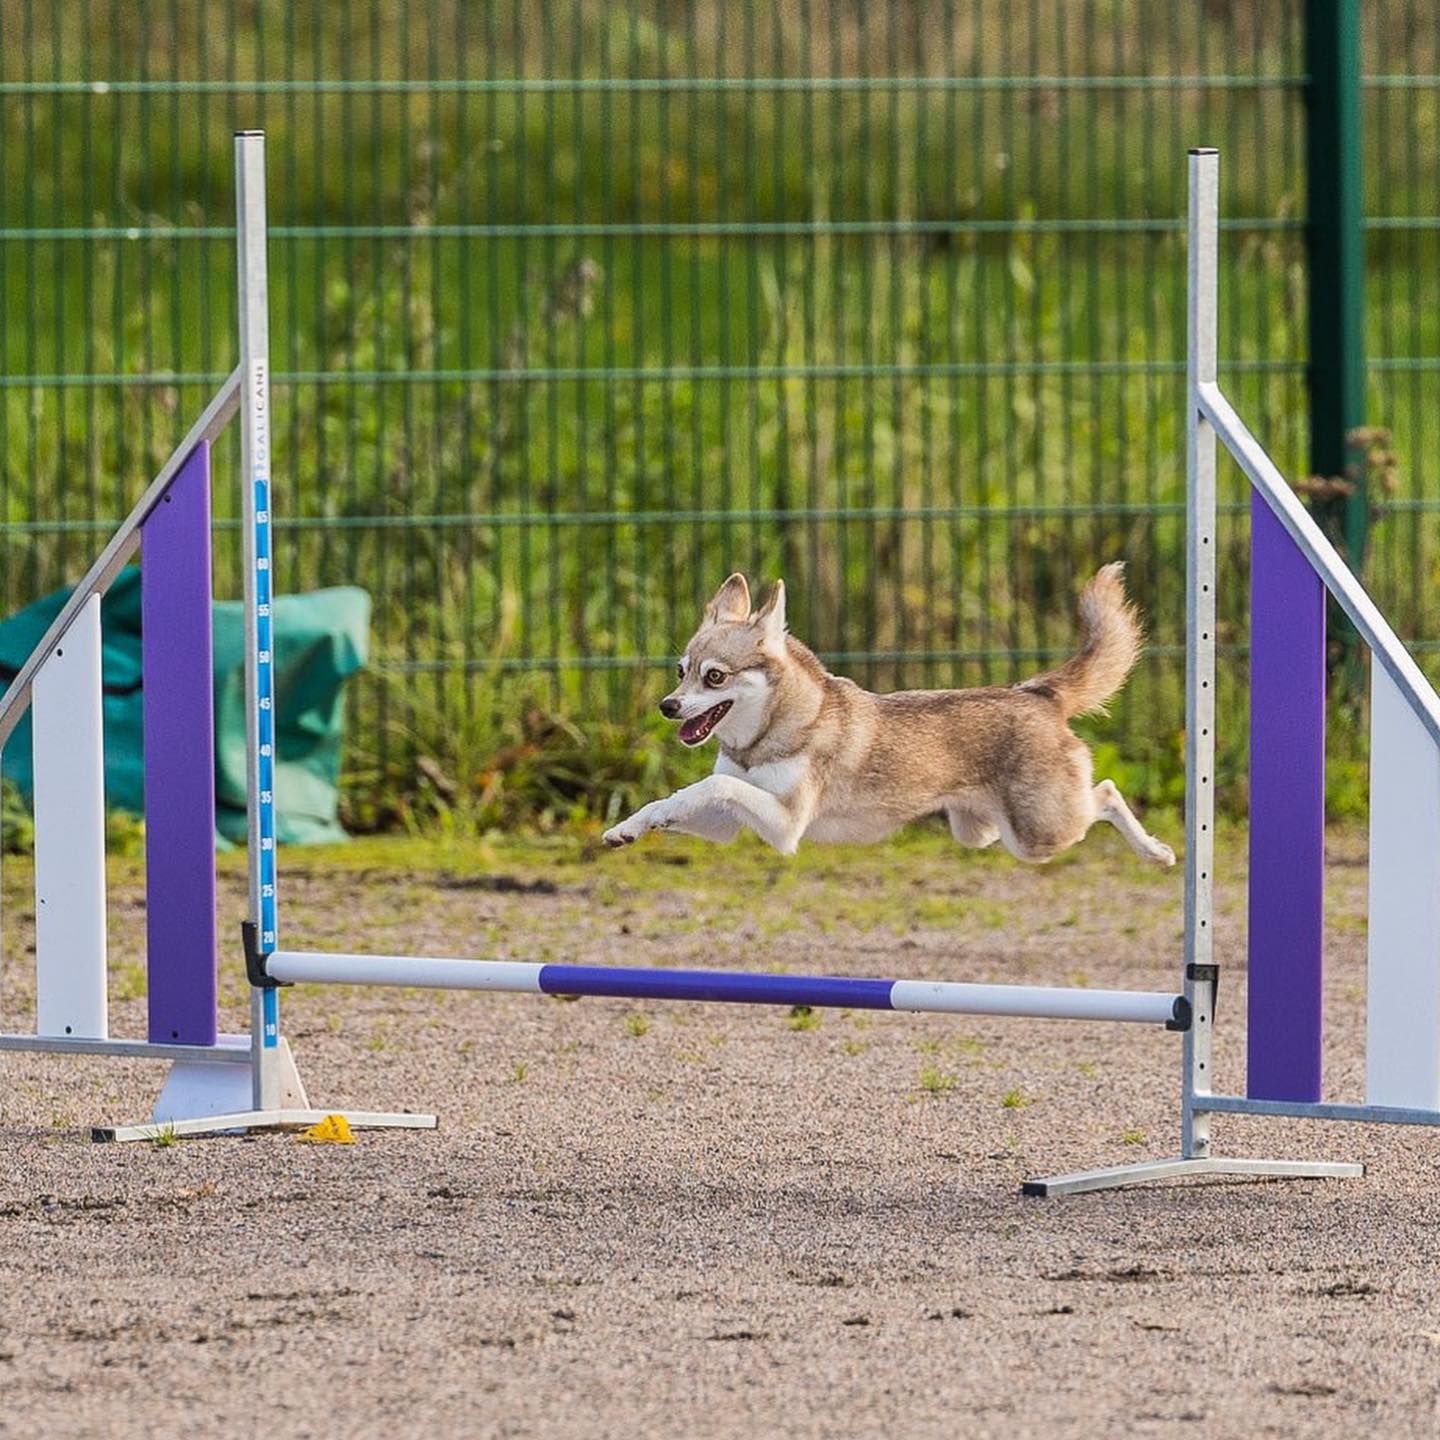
point(777, 777)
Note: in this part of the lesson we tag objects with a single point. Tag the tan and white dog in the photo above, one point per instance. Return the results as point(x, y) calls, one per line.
point(805, 754)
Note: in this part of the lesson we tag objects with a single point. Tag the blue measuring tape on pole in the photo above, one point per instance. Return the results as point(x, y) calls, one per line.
point(262, 929)
point(264, 687)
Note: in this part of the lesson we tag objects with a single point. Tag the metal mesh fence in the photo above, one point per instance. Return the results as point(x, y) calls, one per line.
point(578, 307)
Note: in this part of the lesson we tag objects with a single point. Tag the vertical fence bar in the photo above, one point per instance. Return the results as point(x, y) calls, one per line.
point(1336, 240)
point(179, 729)
point(255, 431)
point(1200, 974)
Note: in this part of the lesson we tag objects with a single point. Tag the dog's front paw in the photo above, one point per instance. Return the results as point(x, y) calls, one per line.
point(1161, 854)
point(654, 816)
point(627, 832)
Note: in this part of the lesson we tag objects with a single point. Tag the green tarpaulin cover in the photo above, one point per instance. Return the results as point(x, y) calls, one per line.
point(320, 640)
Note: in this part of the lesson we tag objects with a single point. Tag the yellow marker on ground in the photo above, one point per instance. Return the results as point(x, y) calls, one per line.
point(332, 1130)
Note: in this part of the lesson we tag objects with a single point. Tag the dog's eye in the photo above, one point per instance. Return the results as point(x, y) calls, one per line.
point(714, 678)
point(680, 669)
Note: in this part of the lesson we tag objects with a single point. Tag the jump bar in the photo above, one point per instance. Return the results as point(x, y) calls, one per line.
point(734, 987)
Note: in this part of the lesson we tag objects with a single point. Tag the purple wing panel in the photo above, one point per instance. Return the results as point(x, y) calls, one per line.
point(179, 717)
point(1287, 814)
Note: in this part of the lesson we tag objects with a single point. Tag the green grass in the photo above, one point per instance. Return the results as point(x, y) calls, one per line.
point(884, 880)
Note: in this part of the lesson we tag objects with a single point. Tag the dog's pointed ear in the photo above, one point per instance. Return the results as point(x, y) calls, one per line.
point(731, 603)
point(770, 617)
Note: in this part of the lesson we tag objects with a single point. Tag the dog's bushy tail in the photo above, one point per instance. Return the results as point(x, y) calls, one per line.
point(1108, 652)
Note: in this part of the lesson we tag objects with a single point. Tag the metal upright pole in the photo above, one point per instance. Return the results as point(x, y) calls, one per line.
point(192, 1103)
point(255, 431)
point(1201, 975)
point(1201, 971)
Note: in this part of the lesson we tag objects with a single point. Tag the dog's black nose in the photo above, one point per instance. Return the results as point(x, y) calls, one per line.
point(670, 708)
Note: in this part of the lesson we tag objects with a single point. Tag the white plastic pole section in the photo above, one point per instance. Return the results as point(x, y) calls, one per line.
point(255, 431)
point(1200, 975)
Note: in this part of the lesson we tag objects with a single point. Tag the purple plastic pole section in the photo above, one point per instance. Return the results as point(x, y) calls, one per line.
point(180, 759)
point(1287, 813)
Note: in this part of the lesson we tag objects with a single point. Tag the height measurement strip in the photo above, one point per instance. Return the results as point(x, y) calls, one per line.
point(259, 574)
point(259, 399)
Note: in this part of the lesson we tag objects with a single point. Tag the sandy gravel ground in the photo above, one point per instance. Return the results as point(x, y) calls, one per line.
point(704, 1221)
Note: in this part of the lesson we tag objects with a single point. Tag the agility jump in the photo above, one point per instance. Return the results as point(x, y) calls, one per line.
point(219, 1084)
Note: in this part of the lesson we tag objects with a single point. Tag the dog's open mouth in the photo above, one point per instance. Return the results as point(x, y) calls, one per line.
point(698, 727)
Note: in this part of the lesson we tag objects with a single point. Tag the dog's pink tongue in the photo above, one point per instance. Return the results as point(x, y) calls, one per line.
point(694, 730)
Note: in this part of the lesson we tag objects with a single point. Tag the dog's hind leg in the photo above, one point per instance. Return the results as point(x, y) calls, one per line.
point(1110, 806)
point(971, 829)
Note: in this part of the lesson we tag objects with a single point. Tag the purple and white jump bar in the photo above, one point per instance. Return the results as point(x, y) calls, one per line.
point(731, 986)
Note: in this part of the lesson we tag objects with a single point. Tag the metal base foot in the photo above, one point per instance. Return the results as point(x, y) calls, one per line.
point(207, 1095)
point(1138, 1174)
point(247, 1120)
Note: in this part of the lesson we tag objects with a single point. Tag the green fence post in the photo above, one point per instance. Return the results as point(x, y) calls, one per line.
point(1336, 245)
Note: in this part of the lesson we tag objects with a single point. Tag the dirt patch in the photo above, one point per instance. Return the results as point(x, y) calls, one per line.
point(711, 1221)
